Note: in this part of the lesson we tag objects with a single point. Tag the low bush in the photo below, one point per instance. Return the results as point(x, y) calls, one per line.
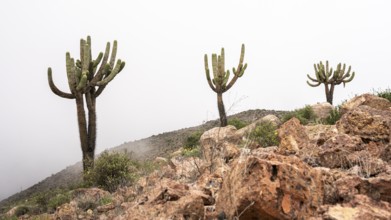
point(193, 140)
point(305, 115)
point(384, 94)
point(111, 171)
point(21, 210)
point(265, 134)
point(237, 123)
point(194, 152)
point(334, 116)
point(58, 200)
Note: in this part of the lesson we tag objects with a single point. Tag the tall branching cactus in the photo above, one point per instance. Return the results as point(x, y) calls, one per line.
point(87, 78)
point(221, 81)
point(325, 75)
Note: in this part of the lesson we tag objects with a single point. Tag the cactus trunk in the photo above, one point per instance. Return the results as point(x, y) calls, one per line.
point(87, 134)
point(220, 105)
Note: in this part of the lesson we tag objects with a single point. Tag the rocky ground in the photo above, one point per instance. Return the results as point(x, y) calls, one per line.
point(340, 171)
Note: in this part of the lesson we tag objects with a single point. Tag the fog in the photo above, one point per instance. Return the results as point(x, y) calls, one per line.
point(163, 85)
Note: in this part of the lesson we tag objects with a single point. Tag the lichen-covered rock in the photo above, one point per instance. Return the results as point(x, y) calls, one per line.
point(366, 122)
point(273, 186)
point(322, 110)
point(219, 146)
point(360, 207)
point(370, 100)
point(293, 137)
point(318, 134)
point(334, 152)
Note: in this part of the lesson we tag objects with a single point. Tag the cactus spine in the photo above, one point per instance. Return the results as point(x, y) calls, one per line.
point(87, 78)
point(220, 82)
point(325, 75)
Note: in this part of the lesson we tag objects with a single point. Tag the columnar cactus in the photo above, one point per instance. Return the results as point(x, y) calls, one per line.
point(87, 78)
point(220, 82)
point(329, 78)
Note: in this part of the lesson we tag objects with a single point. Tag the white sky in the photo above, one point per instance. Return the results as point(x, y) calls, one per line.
point(163, 85)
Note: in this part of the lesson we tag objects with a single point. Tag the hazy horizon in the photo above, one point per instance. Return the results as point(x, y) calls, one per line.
point(163, 85)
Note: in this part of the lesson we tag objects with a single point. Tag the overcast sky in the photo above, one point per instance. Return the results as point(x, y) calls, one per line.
point(163, 86)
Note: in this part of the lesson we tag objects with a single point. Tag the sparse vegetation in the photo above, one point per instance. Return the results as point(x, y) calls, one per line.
point(334, 116)
point(265, 134)
point(237, 123)
point(111, 171)
point(305, 115)
point(58, 200)
point(21, 210)
point(193, 152)
point(384, 94)
point(193, 140)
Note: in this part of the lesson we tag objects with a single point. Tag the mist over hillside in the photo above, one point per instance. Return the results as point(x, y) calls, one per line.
point(144, 149)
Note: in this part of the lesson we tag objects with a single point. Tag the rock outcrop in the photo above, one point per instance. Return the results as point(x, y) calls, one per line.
point(340, 171)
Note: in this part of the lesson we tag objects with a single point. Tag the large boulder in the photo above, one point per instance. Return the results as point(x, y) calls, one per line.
point(367, 122)
point(219, 145)
point(293, 137)
point(274, 187)
point(368, 100)
point(319, 133)
point(322, 110)
point(361, 207)
point(335, 151)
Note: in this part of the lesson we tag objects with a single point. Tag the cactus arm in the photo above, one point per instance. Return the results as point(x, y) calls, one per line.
point(99, 74)
point(207, 72)
point(239, 71)
point(113, 54)
point(312, 79)
point(83, 81)
point(71, 72)
point(54, 88)
point(349, 79)
point(313, 85)
point(99, 91)
point(215, 67)
point(119, 66)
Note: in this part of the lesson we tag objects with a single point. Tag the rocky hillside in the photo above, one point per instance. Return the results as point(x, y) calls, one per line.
point(148, 148)
point(317, 171)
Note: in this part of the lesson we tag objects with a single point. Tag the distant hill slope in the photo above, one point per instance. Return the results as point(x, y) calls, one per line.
point(148, 148)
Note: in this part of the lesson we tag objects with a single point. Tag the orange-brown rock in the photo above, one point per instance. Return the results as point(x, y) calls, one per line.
point(318, 134)
point(274, 187)
point(366, 122)
point(322, 110)
point(293, 137)
point(360, 207)
point(334, 152)
point(368, 100)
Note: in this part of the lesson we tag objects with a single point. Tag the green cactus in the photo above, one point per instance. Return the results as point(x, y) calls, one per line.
point(87, 80)
point(325, 75)
point(221, 81)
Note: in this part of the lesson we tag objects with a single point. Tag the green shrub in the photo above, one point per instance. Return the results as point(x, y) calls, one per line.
point(58, 200)
point(194, 152)
point(305, 115)
point(265, 134)
point(21, 210)
point(87, 204)
point(193, 140)
point(334, 116)
point(111, 171)
point(384, 94)
point(237, 123)
point(105, 200)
